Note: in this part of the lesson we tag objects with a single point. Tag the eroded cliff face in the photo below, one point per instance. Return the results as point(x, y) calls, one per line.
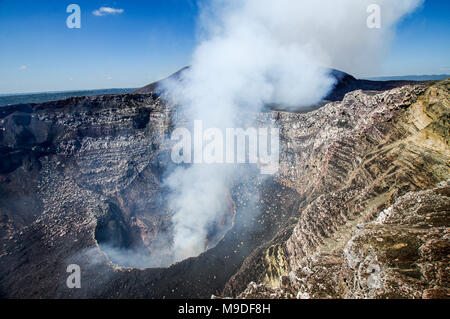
point(403, 253)
point(354, 167)
point(82, 171)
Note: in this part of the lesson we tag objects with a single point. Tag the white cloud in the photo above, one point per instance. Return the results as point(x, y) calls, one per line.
point(103, 11)
point(22, 67)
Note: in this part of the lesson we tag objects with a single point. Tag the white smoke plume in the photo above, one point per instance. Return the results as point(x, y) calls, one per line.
point(255, 52)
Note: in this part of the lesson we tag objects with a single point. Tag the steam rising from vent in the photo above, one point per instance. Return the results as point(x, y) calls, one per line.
point(254, 53)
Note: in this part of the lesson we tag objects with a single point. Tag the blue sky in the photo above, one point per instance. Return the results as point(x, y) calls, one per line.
point(151, 39)
point(422, 43)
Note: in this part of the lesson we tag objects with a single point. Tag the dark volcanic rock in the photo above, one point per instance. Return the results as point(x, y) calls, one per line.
point(88, 169)
point(155, 86)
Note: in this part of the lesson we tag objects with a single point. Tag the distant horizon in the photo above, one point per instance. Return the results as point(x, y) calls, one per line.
point(409, 76)
point(42, 97)
point(66, 91)
point(133, 88)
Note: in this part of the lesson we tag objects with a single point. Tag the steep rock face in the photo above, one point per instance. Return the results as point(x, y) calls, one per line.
point(81, 171)
point(95, 144)
point(404, 253)
point(369, 151)
point(88, 170)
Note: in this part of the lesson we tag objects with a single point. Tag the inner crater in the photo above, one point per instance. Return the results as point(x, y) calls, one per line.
point(140, 235)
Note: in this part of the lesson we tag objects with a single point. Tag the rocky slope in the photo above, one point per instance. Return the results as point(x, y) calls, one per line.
point(82, 171)
point(357, 164)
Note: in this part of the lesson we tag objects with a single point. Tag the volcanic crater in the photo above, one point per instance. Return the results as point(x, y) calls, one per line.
point(81, 179)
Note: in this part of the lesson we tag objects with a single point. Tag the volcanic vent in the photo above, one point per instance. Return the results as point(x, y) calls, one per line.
point(134, 241)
